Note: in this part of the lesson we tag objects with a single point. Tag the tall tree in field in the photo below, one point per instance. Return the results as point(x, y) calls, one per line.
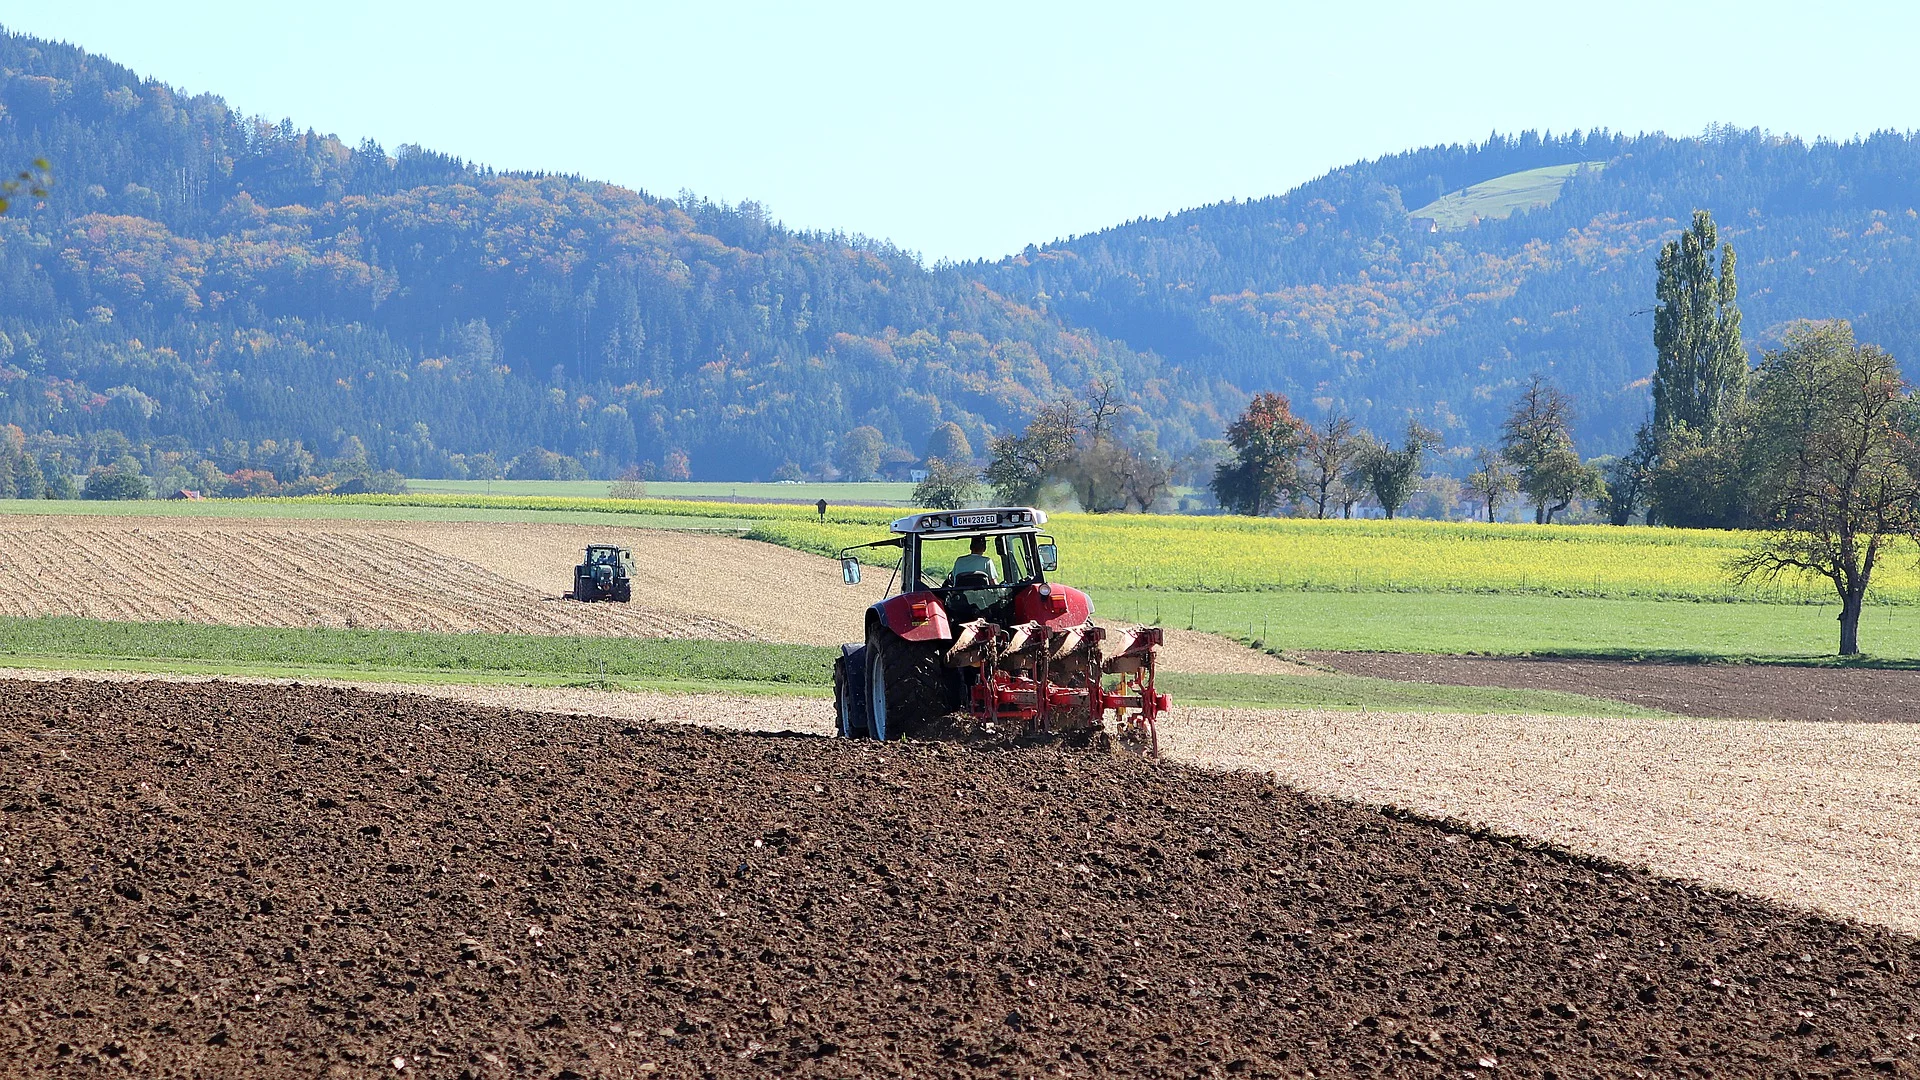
point(1327, 455)
point(1702, 367)
point(949, 485)
point(1492, 482)
point(1393, 475)
point(1537, 438)
point(1837, 425)
point(1264, 474)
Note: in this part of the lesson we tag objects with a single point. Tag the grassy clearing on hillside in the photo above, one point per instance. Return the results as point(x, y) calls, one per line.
point(1518, 625)
point(1500, 197)
point(630, 663)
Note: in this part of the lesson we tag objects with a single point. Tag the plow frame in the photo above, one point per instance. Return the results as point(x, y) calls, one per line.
point(1052, 690)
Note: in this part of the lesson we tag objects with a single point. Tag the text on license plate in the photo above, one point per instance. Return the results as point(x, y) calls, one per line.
point(962, 520)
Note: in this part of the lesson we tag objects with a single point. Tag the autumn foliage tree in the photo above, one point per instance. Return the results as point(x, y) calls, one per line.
point(1264, 475)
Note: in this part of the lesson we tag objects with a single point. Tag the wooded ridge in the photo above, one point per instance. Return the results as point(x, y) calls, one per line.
point(204, 281)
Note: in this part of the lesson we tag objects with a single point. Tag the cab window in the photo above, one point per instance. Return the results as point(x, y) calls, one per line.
point(1016, 559)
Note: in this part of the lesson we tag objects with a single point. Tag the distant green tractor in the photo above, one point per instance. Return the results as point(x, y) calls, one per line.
point(607, 574)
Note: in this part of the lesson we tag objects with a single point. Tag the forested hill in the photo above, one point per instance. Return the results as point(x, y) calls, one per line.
point(1342, 292)
point(204, 279)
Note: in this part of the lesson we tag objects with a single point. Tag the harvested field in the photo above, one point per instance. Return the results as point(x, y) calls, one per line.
point(247, 574)
point(1756, 691)
point(311, 881)
point(504, 577)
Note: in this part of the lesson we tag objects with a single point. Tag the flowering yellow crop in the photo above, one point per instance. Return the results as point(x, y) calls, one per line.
point(1237, 554)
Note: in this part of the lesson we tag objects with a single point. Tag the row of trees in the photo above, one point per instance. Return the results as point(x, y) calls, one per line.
point(1281, 463)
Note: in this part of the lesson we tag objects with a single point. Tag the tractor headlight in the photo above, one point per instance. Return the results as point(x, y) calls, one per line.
point(929, 522)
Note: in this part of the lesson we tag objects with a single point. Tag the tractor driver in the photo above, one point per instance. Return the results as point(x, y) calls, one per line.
point(976, 561)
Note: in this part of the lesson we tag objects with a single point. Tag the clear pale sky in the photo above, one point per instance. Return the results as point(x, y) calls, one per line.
point(965, 130)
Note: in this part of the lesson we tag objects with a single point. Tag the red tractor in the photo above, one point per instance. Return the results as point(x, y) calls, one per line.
point(976, 633)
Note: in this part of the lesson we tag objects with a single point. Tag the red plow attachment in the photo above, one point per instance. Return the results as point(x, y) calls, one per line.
point(1033, 680)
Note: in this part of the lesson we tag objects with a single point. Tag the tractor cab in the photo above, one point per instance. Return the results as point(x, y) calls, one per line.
point(989, 563)
point(609, 555)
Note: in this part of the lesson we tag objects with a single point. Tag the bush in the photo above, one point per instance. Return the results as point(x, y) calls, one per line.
point(542, 464)
point(104, 483)
point(949, 485)
point(251, 483)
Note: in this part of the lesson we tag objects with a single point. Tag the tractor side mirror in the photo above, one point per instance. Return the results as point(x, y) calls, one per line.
point(1049, 558)
point(850, 570)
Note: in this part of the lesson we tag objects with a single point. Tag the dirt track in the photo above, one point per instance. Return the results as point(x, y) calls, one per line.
point(502, 577)
point(300, 882)
point(1750, 691)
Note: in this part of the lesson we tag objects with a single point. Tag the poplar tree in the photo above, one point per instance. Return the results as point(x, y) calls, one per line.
point(1702, 368)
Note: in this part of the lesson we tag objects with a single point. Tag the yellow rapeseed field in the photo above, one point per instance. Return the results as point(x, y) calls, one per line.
point(1238, 554)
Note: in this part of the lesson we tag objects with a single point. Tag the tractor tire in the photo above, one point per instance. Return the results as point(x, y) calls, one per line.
point(582, 588)
point(849, 701)
point(908, 687)
point(623, 592)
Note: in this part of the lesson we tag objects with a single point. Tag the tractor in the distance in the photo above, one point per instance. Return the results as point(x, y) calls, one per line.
point(976, 633)
point(605, 574)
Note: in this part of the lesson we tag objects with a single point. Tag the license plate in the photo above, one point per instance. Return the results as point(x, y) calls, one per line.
point(961, 521)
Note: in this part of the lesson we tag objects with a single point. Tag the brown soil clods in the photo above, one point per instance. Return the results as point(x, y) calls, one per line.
point(267, 881)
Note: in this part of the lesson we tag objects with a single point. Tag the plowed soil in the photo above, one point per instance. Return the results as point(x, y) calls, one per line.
point(1741, 691)
point(504, 577)
point(273, 881)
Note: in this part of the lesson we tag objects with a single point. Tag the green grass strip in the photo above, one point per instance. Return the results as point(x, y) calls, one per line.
point(276, 649)
point(63, 643)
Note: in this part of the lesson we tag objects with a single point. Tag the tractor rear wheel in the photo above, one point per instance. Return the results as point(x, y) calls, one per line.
point(582, 587)
point(849, 678)
point(907, 685)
